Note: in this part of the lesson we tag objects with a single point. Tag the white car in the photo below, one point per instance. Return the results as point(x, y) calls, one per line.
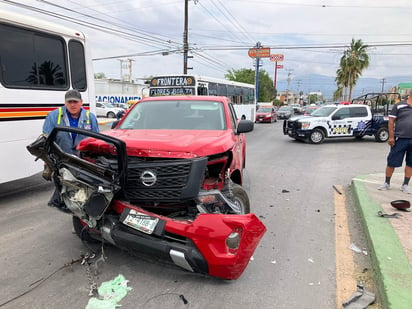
point(107, 110)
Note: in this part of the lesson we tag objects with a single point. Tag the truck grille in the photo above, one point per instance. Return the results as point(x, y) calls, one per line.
point(164, 180)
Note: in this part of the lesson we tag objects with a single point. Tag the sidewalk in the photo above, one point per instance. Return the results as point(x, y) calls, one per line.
point(390, 239)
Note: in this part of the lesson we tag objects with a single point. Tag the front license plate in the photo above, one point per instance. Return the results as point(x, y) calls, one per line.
point(140, 221)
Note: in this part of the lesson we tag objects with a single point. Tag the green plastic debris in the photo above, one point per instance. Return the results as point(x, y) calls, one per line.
point(110, 293)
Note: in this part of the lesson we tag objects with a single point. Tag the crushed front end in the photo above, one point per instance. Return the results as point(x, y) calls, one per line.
point(179, 209)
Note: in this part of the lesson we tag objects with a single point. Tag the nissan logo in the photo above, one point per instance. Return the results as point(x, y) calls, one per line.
point(148, 178)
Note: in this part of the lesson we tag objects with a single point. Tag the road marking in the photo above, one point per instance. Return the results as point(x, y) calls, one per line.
point(345, 266)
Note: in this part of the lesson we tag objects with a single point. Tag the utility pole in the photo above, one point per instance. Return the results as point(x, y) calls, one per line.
point(298, 82)
point(383, 84)
point(185, 35)
point(185, 38)
point(258, 45)
point(287, 90)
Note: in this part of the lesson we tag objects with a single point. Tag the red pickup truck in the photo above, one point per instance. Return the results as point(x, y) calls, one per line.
point(169, 176)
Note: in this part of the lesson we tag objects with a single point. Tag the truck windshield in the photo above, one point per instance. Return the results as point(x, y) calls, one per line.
point(324, 111)
point(176, 115)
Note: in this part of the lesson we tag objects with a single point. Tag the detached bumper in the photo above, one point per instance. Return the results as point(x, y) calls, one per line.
point(199, 245)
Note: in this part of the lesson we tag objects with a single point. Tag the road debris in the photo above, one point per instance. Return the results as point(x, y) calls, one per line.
point(110, 294)
point(336, 189)
point(385, 215)
point(355, 248)
point(360, 299)
point(285, 191)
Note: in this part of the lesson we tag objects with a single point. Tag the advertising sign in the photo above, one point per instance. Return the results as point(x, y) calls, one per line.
point(277, 57)
point(263, 52)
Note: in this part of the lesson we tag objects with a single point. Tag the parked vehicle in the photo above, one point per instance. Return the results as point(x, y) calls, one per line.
point(167, 181)
point(297, 108)
point(344, 120)
point(285, 112)
point(107, 110)
point(266, 113)
point(39, 61)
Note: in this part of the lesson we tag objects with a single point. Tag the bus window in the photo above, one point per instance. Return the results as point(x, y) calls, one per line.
point(31, 59)
point(222, 90)
point(77, 65)
point(202, 91)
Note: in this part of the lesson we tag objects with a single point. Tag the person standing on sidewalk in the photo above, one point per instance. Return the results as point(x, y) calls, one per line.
point(400, 141)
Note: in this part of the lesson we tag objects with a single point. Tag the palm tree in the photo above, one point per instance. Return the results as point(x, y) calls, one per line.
point(354, 60)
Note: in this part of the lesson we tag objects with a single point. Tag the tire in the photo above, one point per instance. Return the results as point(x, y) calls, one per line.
point(81, 231)
point(111, 115)
point(240, 198)
point(382, 135)
point(285, 130)
point(317, 136)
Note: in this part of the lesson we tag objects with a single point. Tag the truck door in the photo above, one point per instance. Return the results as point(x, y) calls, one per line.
point(360, 119)
point(341, 123)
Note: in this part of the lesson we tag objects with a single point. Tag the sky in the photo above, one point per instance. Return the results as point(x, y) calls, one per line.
point(311, 34)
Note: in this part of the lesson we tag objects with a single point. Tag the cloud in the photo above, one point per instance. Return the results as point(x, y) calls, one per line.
point(221, 31)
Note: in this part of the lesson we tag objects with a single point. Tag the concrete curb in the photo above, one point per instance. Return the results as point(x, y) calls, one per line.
point(391, 265)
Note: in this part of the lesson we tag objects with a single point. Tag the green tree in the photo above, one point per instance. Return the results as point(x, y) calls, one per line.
point(353, 61)
point(266, 90)
point(99, 75)
point(313, 98)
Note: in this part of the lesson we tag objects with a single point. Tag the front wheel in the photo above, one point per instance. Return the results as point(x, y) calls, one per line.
point(111, 115)
point(382, 135)
point(317, 136)
point(240, 199)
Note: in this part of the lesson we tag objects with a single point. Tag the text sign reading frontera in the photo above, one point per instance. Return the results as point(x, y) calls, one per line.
point(171, 81)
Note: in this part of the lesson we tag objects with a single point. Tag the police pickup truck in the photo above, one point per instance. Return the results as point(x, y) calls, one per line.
point(366, 115)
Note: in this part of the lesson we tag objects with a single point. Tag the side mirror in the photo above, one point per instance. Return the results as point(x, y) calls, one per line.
point(245, 126)
point(114, 124)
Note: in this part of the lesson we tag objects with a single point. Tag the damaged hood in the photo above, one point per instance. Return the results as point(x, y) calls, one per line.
point(171, 143)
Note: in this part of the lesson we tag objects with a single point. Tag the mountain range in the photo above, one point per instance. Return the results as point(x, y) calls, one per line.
point(326, 84)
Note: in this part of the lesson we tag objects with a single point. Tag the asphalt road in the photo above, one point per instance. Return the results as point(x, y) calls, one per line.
point(294, 266)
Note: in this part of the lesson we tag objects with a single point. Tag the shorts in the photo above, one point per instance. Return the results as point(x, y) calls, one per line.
point(402, 146)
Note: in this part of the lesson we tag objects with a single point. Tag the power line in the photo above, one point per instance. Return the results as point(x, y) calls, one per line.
point(144, 40)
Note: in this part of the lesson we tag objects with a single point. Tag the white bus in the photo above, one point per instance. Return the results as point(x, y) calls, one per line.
point(242, 95)
point(39, 62)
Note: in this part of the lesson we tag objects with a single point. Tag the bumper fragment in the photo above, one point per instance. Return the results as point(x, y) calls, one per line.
point(205, 250)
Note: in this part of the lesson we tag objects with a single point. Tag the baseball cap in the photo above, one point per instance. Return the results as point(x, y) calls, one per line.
point(72, 95)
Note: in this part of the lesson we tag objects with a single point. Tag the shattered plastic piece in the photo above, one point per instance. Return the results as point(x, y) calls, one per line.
point(389, 258)
point(110, 293)
point(285, 191)
point(311, 260)
point(360, 299)
point(311, 283)
point(355, 248)
point(365, 252)
point(286, 199)
point(252, 258)
point(384, 215)
point(273, 262)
